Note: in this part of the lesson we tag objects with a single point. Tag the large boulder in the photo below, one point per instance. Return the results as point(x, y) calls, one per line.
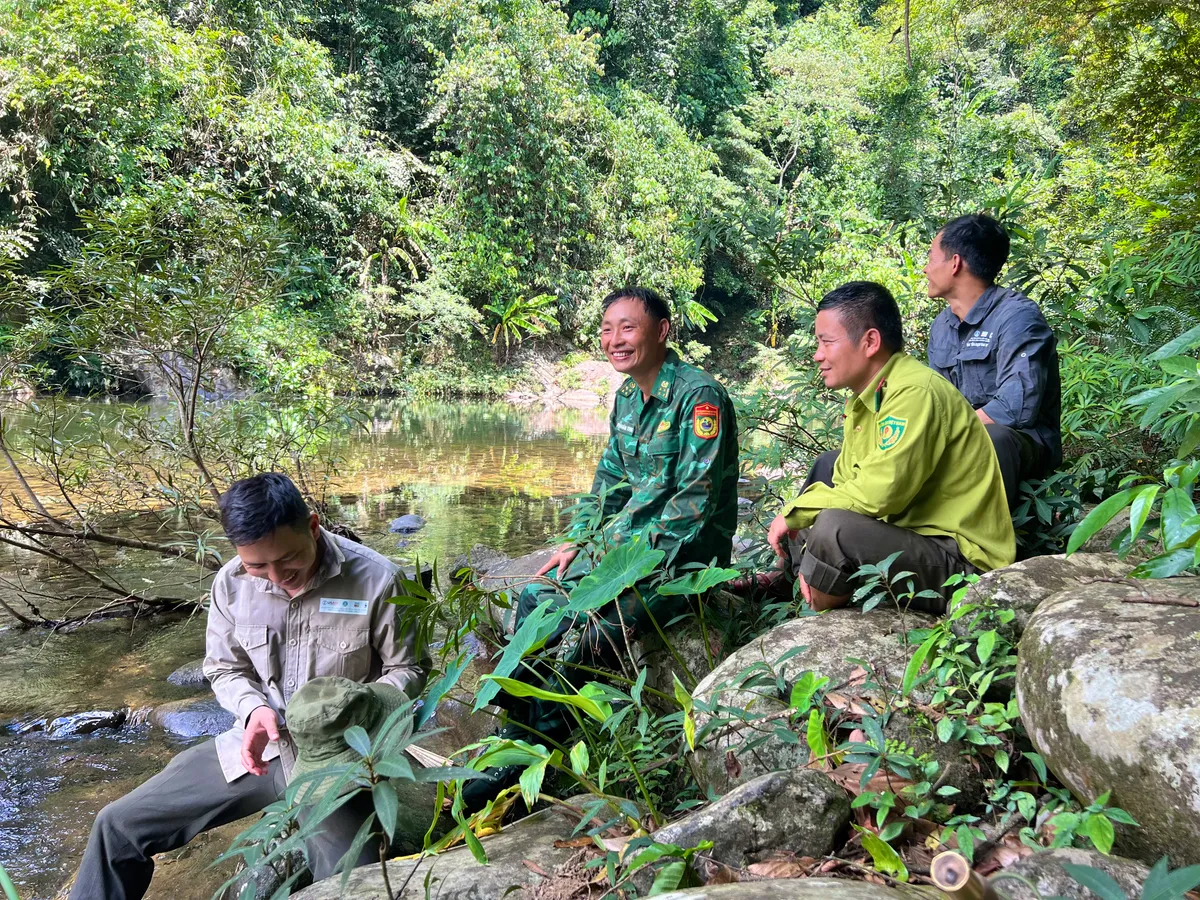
point(510, 576)
point(1022, 586)
point(1045, 871)
point(1108, 682)
point(189, 675)
point(199, 717)
point(803, 889)
point(798, 811)
point(826, 645)
point(455, 875)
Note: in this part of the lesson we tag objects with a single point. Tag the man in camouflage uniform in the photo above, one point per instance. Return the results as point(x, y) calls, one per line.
point(668, 477)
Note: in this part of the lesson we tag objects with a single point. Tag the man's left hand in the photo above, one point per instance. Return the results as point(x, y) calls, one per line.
point(778, 534)
point(984, 417)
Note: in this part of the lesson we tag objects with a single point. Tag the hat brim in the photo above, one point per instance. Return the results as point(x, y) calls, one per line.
point(389, 699)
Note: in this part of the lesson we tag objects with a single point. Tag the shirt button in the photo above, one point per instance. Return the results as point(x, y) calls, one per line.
point(343, 645)
point(291, 682)
point(295, 606)
point(292, 642)
point(1022, 354)
point(858, 428)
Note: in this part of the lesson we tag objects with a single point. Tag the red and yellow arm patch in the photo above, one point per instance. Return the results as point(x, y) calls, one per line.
point(706, 421)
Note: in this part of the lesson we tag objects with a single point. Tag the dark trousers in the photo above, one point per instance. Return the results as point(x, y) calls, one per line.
point(187, 797)
point(839, 542)
point(601, 642)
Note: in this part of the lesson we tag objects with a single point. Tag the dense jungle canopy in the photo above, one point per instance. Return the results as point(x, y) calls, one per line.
point(385, 197)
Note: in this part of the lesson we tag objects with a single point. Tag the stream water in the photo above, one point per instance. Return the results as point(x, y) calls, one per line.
point(478, 473)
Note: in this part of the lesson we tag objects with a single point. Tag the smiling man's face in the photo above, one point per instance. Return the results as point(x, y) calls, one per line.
point(632, 339)
point(287, 557)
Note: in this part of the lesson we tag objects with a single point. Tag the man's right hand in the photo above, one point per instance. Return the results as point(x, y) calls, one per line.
point(778, 534)
point(562, 558)
point(261, 728)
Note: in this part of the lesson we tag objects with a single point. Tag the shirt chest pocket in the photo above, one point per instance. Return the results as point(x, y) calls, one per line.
point(255, 641)
point(977, 365)
point(342, 651)
point(662, 456)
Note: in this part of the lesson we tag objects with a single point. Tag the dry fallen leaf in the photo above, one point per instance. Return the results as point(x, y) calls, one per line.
point(782, 867)
point(1004, 854)
point(733, 768)
point(713, 872)
point(858, 676)
point(575, 843)
point(534, 867)
point(849, 774)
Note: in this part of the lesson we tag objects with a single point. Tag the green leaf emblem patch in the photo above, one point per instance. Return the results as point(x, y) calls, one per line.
point(891, 430)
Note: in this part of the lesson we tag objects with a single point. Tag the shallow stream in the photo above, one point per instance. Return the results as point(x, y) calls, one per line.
point(478, 473)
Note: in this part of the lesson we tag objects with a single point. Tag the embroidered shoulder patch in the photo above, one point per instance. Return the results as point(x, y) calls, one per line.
point(664, 425)
point(891, 430)
point(706, 421)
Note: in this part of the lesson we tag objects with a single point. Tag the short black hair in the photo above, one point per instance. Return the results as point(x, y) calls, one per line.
point(655, 305)
point(982, 243)
point(254, 507)
point(862, 305)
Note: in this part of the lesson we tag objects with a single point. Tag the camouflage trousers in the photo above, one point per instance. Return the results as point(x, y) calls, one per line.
point(595, 642)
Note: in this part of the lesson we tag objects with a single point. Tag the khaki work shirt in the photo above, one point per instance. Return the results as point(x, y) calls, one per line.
point(915, 455)
point(262, 645)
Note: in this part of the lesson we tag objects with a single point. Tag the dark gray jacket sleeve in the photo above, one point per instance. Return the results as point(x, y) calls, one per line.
point(1024, 350)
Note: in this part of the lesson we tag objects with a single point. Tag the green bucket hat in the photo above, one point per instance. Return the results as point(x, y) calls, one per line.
point(319, 714)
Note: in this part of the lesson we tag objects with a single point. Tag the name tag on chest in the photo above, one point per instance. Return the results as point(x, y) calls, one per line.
point(344, 607)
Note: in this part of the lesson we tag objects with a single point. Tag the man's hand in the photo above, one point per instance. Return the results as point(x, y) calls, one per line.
point(778, 534)
point(984, 417)
point(261, 728)
point(562, 557)
point(805, 590)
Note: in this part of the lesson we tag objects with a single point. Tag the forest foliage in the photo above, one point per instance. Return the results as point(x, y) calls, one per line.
point(384, 197)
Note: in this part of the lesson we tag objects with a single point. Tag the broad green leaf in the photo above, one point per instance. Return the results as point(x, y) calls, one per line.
point(1001, 758)
point(891, 831)
point(1166, 565)
point(1039, 765)
point(987, 643)
point(803, 690)
point(682, 695)
point(580, 760)
point(395, 767)
point(358, 740)
point(1098, 882)
point(350, 857)
point(532, 634)
point(1141, 506)
point(387, 806)
point(1097, 519)
point(620, 569)
point(1178, 511)
point(1100, 830)
point(913, 669)
point(945, 729)
point(509, 753)
point(516, 688)
point(697, 582)
point(636, 692)
point(445, 773)
point(668, 877)
point(1178, 345)
point(818, 743)
point(439, 688)
point(531, 782)
point(475, 847)
point(1164, 885)
point(886, 859)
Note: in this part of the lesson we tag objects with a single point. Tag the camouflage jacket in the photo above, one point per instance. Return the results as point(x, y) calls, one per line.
point(676, 457)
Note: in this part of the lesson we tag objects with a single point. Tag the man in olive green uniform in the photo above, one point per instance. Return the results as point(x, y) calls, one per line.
point(916, 473)
point(667, 477)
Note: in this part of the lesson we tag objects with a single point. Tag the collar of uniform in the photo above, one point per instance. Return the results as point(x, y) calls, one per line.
point(867, 397)
point(330, 566)
point(666, 377)
point(984, 305)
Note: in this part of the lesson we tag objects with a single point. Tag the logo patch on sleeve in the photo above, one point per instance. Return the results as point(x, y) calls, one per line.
point(706, 421)
point(664, 425)
point(891, 430)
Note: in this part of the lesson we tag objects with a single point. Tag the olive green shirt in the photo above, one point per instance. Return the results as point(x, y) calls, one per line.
point(676, 454)
point(914, 454)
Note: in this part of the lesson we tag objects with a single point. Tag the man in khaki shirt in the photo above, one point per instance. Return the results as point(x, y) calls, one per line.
point(296, 603)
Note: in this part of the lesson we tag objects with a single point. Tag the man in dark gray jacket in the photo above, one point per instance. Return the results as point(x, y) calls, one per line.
point(993, 344)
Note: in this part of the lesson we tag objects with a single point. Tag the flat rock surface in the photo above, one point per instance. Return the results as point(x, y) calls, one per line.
point(189, 675)
point(455, 875)
point(1046, 872)
point(1108, 683)
point(802, 889)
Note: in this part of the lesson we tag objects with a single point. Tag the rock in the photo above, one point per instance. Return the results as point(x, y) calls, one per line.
point(267, 879)
point(803, 889)
point(199, 717)
point(189, 675)
point(1023, 585)
point(581, 398)
point(86, 722)
point(406, 524)
point(462, 727)
point(510, 576)
point(1102, 541)
point(799, 811)
point(455, 875)
point(479, 559)
point(822, 644)
point(1109, 691)
point(1051, 879)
